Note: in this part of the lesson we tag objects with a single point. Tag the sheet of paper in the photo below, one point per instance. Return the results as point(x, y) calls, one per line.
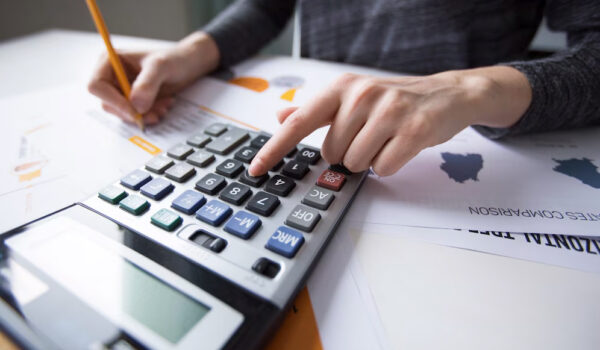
point(538, 183)
point(431, 296)
point(579, 253)
point(61, 147)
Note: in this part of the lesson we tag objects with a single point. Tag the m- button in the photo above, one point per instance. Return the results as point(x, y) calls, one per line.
point(331, 179)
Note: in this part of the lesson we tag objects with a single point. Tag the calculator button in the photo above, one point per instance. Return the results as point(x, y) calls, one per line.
point(136, 179)
point(278, 165)
point(235, 193)
point(230, 168)
point(291, 153)
point(331, 180)
point(319, 198)
point(228, 141)
point(180, 172)
point(308, 155)
point(112, 194)
point(214, 212)
point(157, 189)
point(211, 184)
point(245, 154)
point(166, 219)
point(242, 224)
point(209, 241)
point(340, 168)
point(159, 164)
point(295, 169)
point(303, 218)
point(180, 151)
point(285, 241)
point(136, 205)
point(198, 140)
point(254, 181)
point(200, 159)
point(280, 185)
point(188, 202)
point(259, 141)
point(266, 267)
point(263, 203)
point(216, 129)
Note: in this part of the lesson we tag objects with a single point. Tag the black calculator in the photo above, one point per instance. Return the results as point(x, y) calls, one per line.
point(187, 251)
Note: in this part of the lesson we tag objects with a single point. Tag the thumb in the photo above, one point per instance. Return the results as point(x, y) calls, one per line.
point(282, 114)
point(146, 86)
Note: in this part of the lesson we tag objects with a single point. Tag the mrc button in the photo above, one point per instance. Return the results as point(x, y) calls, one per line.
point(285, 241)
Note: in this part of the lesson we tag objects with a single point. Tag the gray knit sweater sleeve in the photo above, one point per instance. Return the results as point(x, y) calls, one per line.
point(246, 26)
point(565, 86)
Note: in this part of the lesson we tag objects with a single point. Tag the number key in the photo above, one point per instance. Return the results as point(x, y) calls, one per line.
point(211, 184)
point(230, 168)
point(280, 185)
point(308, 155)
point(235, 193)
point(295, 169)
point(263, 203)
point(245, 154)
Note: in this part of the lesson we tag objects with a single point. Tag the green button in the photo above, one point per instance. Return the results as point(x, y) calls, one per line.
point(112, 194)
point(134, 204)
point(166, 219)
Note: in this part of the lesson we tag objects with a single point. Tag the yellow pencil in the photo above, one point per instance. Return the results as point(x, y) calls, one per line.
point(112, 55)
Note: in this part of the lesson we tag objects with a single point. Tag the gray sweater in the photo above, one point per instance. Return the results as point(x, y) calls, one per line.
point(429, 36)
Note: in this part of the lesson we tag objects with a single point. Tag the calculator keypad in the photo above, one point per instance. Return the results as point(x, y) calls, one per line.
point(201, 190)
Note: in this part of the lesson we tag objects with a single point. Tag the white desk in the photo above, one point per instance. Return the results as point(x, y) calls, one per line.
point(428, 296)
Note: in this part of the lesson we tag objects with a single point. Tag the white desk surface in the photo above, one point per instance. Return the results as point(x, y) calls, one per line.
point(453, 298)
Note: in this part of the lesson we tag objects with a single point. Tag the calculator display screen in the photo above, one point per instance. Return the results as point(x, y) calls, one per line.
point(164, 310)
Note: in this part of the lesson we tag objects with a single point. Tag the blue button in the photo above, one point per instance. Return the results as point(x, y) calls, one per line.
point(214, 212)
point(285, 241)
point(188, 202)
point(242, 224)
point(136, 179)
point(157, 189)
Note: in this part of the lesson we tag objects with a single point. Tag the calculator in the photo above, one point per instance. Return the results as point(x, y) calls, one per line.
point(186, 251)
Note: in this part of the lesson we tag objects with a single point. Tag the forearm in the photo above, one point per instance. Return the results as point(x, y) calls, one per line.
point(499, 95)
point(246, 26)
point(200, 52)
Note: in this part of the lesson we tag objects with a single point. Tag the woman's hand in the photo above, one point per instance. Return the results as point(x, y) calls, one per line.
point(156, 76)
point(384, 122)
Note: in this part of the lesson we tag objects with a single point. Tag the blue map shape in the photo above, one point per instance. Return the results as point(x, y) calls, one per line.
point(462, 167)
point(581, 169)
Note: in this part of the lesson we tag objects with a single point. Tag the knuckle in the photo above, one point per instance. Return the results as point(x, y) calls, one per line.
point(347, 78)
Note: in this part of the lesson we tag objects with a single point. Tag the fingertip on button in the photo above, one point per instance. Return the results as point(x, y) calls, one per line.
point(256, 167)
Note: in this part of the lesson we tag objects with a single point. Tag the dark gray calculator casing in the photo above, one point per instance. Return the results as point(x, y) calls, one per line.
point(226, 275)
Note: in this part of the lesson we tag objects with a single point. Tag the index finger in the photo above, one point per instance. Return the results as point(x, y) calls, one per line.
point(317, 113)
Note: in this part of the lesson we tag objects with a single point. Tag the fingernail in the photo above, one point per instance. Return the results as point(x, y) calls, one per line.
point(254, 168)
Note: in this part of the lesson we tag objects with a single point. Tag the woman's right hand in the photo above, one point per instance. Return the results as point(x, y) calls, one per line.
point(155, 76)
